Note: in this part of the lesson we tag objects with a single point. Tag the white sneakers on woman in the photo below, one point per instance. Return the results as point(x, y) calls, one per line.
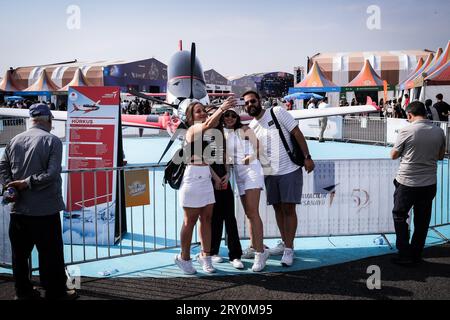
point(260, 260)
point(217, 259)
point(288, 257)
point(185, 266)
point(236, 263)
point(206, 263)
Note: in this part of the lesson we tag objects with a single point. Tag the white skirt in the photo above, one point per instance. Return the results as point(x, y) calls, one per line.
point(196, 190)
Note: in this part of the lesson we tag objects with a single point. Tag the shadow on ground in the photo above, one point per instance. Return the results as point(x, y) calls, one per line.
point(430, 280)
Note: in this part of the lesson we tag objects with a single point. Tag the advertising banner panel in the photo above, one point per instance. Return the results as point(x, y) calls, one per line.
point(92, 134)
point(340, 197)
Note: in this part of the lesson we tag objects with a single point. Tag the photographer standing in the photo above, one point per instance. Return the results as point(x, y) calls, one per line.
point(31, 165)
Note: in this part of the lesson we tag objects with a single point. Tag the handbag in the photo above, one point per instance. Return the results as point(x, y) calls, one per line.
point(296, 155)
point(174, 171)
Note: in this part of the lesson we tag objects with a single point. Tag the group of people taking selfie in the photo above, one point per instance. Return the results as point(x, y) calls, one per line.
point(218, 146)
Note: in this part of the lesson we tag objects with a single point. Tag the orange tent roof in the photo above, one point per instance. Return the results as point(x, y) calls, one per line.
point(440, 76)
point(79, 80)
point(316, 78)
point(43, 83)
point(367, 77)
point(445, 56)
point(417, 68)
point(418, 72)
point(7, 83)
point(417, 81)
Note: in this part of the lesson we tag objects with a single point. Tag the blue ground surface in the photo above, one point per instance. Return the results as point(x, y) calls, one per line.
point(161, 231)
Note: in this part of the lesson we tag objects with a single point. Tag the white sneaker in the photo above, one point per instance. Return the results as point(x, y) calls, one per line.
point(237, 264)
point(185, 266)
point(206, 263)
point(278, 250)
point(216, 259)
point(260, 260)
point(288, 257)
point(248, 253)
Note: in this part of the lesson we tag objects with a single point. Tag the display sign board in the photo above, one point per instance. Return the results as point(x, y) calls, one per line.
point(92, 134)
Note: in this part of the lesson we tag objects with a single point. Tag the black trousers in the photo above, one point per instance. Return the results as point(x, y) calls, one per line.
point(45, 233)
point(224, 212)
point(421, 199)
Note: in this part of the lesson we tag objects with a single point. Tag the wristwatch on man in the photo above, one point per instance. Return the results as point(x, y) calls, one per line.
point(308, 157)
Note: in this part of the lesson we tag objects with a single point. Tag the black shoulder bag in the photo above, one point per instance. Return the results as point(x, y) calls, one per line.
point(173, 174)
point(296, 155)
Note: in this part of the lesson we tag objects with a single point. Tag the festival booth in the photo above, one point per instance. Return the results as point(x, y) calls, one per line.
point(367, 84)
point(316, 82)
point(414, 85)
point(401, 85)
point(436, 79)
point(437, 82)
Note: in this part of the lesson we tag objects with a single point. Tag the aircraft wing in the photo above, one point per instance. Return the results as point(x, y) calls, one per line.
point(164, 121)
point(144, 121)
point(140, 121)
point(24, 113)
point(328, 112)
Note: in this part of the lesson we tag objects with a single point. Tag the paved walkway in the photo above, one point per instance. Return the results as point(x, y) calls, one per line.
point(430, 280)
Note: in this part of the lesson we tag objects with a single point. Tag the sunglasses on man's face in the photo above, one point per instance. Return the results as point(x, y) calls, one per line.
point(252, 101)
point(230, 115)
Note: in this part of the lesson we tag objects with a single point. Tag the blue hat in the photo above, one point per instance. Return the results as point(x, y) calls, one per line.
point(40, 109)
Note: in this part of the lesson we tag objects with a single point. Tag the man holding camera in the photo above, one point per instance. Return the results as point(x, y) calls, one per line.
point(284, 179)
point(31, 164)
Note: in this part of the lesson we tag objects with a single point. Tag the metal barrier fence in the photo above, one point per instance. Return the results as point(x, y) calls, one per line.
point(148, 228)
point(375, 130)
point(9, 128)
point(364, 129)
point(156, 226)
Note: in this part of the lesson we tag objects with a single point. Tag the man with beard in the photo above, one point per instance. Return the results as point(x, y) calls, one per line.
point(283, 178)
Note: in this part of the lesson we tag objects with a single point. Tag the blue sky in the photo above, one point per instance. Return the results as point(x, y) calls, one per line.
point(233, 37)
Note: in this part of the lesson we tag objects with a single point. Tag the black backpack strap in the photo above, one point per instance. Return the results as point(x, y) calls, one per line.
point(283, 138)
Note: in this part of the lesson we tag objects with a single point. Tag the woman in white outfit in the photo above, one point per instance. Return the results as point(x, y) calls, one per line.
point(196, 190)
point(242, 147)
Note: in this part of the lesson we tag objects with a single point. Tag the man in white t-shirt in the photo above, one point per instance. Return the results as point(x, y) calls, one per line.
point(324, 120)
point(283, 178)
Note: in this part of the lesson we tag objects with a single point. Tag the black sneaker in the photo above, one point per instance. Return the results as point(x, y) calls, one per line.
point(32, 295)
point(321, 140)
point(66, 295)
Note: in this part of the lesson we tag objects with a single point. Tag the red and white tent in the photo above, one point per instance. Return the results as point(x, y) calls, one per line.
point(42, 84)
point(7, 83)
point(79, 80)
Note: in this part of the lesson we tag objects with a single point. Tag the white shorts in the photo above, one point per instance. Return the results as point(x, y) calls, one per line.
point(196, 190)
point(248, 177)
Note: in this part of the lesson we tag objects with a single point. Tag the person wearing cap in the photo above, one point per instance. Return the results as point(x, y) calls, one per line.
point(223, 211)
point(242, 151)
point(31, 164)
